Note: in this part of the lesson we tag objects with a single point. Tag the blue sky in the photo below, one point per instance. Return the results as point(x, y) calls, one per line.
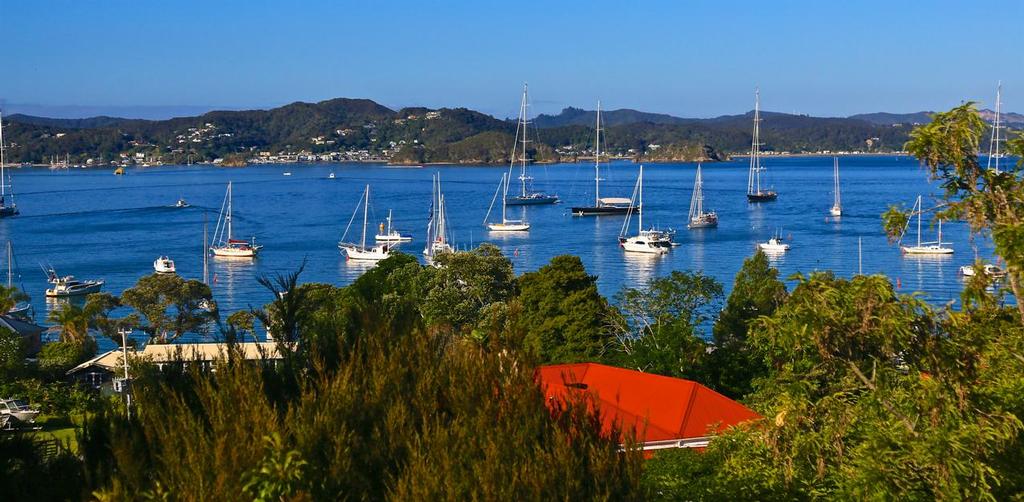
point(688, 58)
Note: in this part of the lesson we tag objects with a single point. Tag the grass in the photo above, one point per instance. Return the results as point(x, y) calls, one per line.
point(63, 429)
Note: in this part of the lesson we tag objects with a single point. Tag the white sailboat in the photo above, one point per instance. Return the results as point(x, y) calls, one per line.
point(505, 225)
point(837, 208)
point(438, 238)
point(697, 217)
point(360, 251)
point(525, 197)
point(386, 233)
point(924, 248)
point(602, 205)
point(754, 191)
point(994, 153)
point(7, 207)
point(224, 244)
point(646, 241)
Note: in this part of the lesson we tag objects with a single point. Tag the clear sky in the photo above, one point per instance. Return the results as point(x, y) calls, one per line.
point(687, 58)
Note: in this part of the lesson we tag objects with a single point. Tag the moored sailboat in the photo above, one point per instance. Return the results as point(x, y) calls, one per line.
point(605, 205)
point(526, 197)
point(438, 238)
point(924, 248)
point(697, 217)
point(505, 225)
point(994, 153)
point(837, 207)
point(754, 191)
point(7, 205)
point(361, 251)
point(224, 244)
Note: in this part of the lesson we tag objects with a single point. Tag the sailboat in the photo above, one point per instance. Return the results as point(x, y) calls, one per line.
point(7, 208)
point(525, 197)
point(438, 240)
point(698, 218)
point(754, 191)
point(505, 225)
point(23, 309)
point(646, 241)
point(837, 208)
point(994, 155)
point(607, 205)
point(388, 234)
point(224, 244)
point(360, 251)
point(924, 248)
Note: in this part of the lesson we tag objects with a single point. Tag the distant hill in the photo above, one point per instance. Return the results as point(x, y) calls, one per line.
point(884, 118)
point(1010, 119)
point(361, 128)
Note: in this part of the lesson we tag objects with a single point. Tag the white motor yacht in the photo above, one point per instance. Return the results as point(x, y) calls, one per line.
point(990, 270)
point(645, 241)
point(18, 410)
point(388, 234)
point(774, 245)
point(65, 286)
point(164, 265)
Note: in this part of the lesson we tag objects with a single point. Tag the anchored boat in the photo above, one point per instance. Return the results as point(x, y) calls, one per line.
point(606, 205)
point(697, 217)
point(67, 286)
point(754, 191)
point(526, 197)
point(224, 245)
point(361, 251)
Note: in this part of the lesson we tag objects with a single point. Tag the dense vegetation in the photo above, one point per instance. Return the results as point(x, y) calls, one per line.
point(420, 135)
point(417, 382)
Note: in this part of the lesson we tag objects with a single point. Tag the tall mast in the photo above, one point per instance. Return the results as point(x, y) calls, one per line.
point(754, 178)
point(3, 164)
point(227, 217)
point(523, 125)
point(920, 210)
point(206, 253)
point(366, 206)
point(504, 183)
point(10, 271)
point(838, 199)
point(993, 146)
point(597, 158)
point(640, 208)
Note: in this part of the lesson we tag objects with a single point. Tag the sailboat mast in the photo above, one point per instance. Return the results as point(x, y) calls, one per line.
point(597, 158)
point(206, 252)
point(522, 173)
point(366, 205)
point(227, 216)
point(920, 210)
point(699, 196)
point(993, 146)
point(754, 178)
point(504, 195)
point(640, 208)
point(836, 180)
point(3, 164)
point(10, 271)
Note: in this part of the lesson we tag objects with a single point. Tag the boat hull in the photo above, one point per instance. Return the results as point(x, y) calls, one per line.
point(77, 291)
point(531, 201)
point(6, 211)
point(227, 252)
point(602, 210)
point(376, 253)
point(508, 227)
point(762, 197)
point(926, 250)
point(641, 245)
point(703, 222)
point(392, 238)
point(836, 211)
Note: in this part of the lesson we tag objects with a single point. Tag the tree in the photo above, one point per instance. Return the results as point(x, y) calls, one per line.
point(10, 296)
point(73, 321)
point(563, 315)
point(657, 325)
point(12, 354)
point(463, 284)
point(171, 306)
point(757, 291)
point(284, 315)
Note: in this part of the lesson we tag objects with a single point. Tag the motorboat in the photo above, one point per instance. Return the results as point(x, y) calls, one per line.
point(360, 251)
point(646, 241)
point(774, 245)
point(989, 269)
point(224, 244)
point(698, 218)
point(18, 410)
point(164, 265)
point(388, 234)
point(506, 224)
point(181, 203)
point(287, 173)
point(330, 176)
point(66, 286)
point(755, 192)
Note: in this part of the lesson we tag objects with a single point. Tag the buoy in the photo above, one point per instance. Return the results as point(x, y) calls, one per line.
point(516, 253)
point(898, 283)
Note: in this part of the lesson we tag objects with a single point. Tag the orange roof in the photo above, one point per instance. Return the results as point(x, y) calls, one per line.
point(660, 407)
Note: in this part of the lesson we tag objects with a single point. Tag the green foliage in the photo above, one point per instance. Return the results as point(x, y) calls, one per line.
point(31, 469)
point(757, 291)
point(56, 358)
point(10, 296)
point(657, 325)
point(171, 306)
point(12, 354)
point(464, 283)
point(895, 221)
point(563, 315)
point(279, 475)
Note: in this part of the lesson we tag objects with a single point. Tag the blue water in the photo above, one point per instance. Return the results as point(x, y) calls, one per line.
point(94, 225)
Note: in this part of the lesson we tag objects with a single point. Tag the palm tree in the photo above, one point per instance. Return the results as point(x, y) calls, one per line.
point(73, 321)
point(10, 296)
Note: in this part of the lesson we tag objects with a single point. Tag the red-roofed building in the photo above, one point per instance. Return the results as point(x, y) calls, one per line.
point(665, 412)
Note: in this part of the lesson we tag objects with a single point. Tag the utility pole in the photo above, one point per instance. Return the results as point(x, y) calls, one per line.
point(126, 387)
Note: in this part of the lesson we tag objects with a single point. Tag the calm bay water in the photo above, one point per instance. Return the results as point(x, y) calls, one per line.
point(94, 225)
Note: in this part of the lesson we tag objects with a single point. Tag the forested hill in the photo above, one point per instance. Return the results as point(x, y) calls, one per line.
point(361, 129)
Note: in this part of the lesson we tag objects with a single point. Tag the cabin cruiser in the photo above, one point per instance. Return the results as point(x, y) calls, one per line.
point(18, 410)
point(989, 269)
point(164, 265)
point(774, 245)
point(67, 285)
point(386, 233)
point(181, 203)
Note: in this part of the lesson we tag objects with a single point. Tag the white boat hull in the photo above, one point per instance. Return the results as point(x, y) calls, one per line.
point(376, 253)
point(836, 211)
point(508, 227)
point(926, 250)
point(642, 245)
point(229, 252)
